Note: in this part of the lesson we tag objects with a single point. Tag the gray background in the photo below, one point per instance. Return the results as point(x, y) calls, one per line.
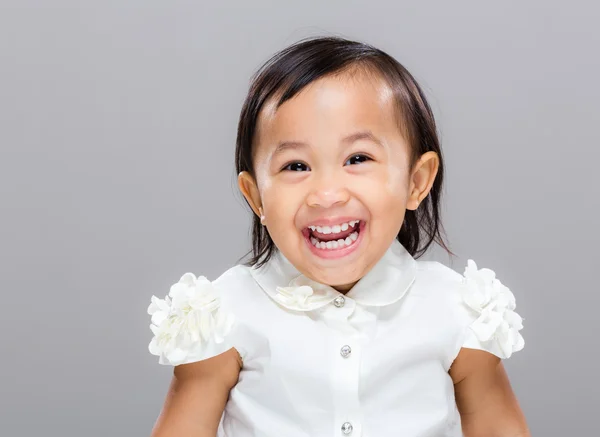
point(117, 134)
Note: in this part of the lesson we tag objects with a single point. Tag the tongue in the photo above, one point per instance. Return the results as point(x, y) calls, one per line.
point(330, 237)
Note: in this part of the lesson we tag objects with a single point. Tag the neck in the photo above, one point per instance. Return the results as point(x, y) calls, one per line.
point(344, 288)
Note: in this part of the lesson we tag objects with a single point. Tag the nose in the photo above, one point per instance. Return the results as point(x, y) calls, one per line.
point(327, 192)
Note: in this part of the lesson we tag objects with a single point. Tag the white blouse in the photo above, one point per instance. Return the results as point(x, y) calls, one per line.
point(372, 362)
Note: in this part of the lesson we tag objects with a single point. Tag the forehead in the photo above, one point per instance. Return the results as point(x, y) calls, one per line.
point(330, 108)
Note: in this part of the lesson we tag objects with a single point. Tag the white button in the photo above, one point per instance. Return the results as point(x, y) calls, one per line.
point(347, 428)
point(339, 301)
point(345, 351)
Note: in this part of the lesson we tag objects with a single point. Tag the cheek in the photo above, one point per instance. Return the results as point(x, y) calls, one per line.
point(280, 202)
point(386, 187)
point(397, 181)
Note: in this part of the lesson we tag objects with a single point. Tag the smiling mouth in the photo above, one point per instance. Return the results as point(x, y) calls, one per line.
point(334, 237)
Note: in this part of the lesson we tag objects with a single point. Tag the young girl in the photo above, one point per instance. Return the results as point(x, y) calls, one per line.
point(334, 328)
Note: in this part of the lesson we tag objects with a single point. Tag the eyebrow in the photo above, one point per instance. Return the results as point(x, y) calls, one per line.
point(352, 138)
point(362, 135)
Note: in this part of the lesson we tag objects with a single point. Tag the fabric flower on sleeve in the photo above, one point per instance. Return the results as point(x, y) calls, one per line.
point(497, 321)
point(187, 319)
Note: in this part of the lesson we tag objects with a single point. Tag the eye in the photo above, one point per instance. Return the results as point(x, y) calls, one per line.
point(295, 166)
point(357, 159)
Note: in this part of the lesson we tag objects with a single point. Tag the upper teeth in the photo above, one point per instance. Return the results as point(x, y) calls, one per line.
point(335, 229)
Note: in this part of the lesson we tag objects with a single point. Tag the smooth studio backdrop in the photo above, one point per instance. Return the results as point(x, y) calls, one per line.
point(117, 131)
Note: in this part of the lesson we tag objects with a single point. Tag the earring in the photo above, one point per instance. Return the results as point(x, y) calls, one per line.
point(262, 217)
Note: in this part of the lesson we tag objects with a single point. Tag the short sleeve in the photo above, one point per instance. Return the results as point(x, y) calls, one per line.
point(190, 323)
point(492, 323)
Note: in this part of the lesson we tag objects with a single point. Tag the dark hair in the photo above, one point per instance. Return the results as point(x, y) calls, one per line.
point(289, 71)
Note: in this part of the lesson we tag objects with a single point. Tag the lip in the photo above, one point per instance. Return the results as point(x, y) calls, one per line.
point(331, 221)
point(336, 253)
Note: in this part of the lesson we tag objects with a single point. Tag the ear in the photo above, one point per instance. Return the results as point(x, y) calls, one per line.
point(248, 187)
point(422, 179)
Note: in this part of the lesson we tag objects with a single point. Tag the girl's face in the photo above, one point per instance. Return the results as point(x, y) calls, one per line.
point(332, 177)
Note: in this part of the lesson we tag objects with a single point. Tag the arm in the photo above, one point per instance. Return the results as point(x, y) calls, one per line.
point(197, 396)
point(485, 400)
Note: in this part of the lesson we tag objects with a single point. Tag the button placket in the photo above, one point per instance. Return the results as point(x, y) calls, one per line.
point(336, 316)
point(346, 374)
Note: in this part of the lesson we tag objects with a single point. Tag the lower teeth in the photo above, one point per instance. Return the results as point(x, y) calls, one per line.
point(335, 244)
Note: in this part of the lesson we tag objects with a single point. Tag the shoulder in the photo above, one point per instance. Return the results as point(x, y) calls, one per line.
point(438, 281)
point(239, 290)
point(487, 307)
point(195, 319)
point(440, 287)
point(478, 302)
point(436, 271)
point(474, 287)
point(233, 279)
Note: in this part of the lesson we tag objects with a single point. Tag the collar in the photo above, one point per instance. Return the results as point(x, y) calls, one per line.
point(386, 283)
